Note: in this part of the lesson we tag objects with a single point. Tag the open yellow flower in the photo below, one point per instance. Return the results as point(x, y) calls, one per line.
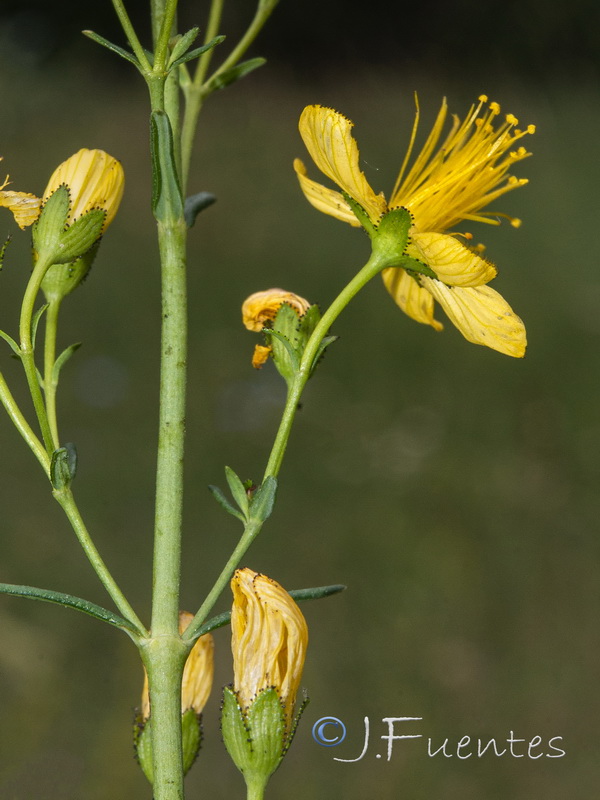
point(94, 180)
point(444, 186)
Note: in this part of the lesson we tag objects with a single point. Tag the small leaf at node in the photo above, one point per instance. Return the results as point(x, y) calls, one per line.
point(224, 503)
point(195, 204)
point(233, 74)
point(237, 490)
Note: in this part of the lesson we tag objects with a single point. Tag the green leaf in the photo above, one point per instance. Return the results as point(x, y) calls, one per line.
point(233, 74)
point(183, 43)
point(224, 503)
point(167, 202)
point(113, 47)
point(198, 51)
point(62, 360)
point(195, 204)
point(237, 490)
point(36, 321)
point(15, 347)
point(63, 466)
point(68, 601)
point(299, 595)
point(263, 500)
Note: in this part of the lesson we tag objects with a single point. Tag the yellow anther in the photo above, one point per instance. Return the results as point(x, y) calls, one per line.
point(531, 129)
point(483, 98)
point(494, 107)
point(511, 119)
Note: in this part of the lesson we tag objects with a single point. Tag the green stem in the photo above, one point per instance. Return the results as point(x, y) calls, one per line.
point(373, 266)
point(21, 424)
point(50, 385)
point(65, 499)
point(131, 35)
point(27, 354)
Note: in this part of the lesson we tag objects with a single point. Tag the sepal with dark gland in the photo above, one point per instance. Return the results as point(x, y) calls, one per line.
point(191, 739)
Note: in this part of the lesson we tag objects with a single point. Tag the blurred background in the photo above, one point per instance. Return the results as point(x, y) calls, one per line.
point(454, 490)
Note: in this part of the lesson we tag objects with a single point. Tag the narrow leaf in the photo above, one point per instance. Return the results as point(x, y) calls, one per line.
point(322, 347)
point(195, 204)
point(67, 600)
point(233, 74)
point(299, 595)
point(237, 490)
point(264, 500)
point(113, 47)
point(36, 321)
point(167, 203)
point(198, 51)
point(183, 44)
point(15, 347)
point(62, 360)
point(224, 503)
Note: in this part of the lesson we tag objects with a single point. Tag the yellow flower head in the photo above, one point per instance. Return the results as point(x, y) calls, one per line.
point(197, 673)
point(94, 180)
point(261, 307)
point(448, 181)
point(269, 637)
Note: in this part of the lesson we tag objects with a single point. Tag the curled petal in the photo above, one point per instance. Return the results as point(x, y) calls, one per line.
point(412, 299)
point(269, 637)
point(260, 356)
point(482, 316)
point(452, 262)
point(327, 135)
point(25, 207)
point(261, 307)
point(326, 200)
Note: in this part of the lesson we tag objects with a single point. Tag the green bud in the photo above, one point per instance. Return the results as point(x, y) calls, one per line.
point(191, 735)
point(61, 279)
point(289, 336)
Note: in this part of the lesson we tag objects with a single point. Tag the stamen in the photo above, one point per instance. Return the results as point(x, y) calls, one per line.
point(511, 119)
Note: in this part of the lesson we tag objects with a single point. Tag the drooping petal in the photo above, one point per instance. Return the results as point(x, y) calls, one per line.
point(482, 316)
point(451, 261)
point(323, 199)
point(327, 135)
point(261, 307)
point(412, 299)
point(25, 207)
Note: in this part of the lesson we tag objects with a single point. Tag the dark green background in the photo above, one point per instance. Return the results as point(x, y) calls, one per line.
point(451, 488)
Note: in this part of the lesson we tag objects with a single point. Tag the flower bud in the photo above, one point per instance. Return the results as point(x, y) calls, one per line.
point(269, 640)
point(196, 684)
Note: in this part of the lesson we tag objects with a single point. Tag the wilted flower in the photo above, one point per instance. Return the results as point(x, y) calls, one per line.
point(442, 187)
point(261, 308)
point(269, 637)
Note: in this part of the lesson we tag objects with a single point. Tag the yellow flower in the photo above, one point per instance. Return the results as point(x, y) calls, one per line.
point(94, 179)
point(261, 308)
point(444, 186)
point(269, 637)
point(197, 673)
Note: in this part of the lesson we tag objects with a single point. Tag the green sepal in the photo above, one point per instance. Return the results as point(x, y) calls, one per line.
point(68, 601)
point(413, 265)
point(198, 51)
point(63, 466)
point(5, 244)
point(167, 201)
point(296, 722)
point(263, 500)
point(238, 491)
point(225, 504)
point(62, 360)
point(288, 341)
point(255, 740)
point(360, 214)
point(322, 347)
point(233, 74)
point(391, 237)
point(299, 595)
point(95, 37)
point(196, 203)
point(80, 236)
point(61, 279)
point(14, 346)
point(142, 746)
point(49, 226)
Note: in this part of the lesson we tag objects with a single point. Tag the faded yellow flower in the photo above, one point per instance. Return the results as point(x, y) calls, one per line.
point(269, 637)
point(448, 182)
point(196, 683)
point(261, 308)
point(94, 180)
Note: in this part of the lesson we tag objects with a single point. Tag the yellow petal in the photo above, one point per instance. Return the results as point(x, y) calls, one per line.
point(482, 316)
point(25, 207)
point(412, 299)
point(326, 200)
point(261, 307)
point(452, 262)
point(260, 356)
point(94, 180)
point(269, 637)
point(328, 138)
